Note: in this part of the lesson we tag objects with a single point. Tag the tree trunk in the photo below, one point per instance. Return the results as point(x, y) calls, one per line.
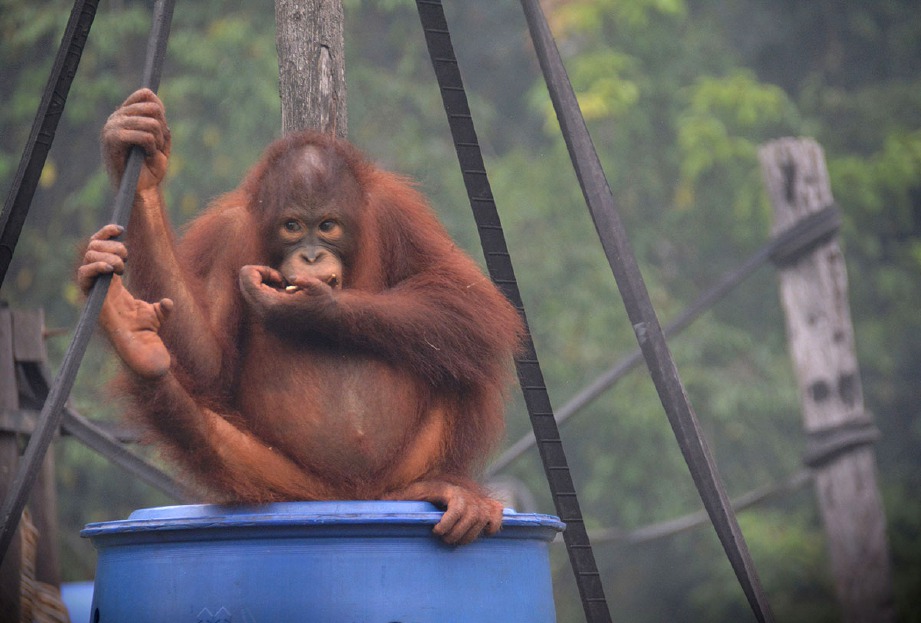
point(311, 65)
point(813, 291)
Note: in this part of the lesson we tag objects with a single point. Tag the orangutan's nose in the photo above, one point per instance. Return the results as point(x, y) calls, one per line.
point(313, 254)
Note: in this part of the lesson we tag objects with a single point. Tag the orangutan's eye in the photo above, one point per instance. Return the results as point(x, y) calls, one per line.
point(292, 226)
point(327, 226)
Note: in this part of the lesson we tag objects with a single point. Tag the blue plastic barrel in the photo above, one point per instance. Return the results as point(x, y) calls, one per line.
point(323, 562)
point(77, 598)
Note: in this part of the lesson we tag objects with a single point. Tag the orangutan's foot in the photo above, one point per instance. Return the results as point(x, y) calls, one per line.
point(468, 513)
point(133, 329)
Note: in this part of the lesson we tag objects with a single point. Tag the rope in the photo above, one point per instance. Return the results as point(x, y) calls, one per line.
point(52, 412)
point(40, 602)
point(826, 445)
point(783, 247)
point(499, 265)
point(675, 526)
point(43, 130)
point(823, 447)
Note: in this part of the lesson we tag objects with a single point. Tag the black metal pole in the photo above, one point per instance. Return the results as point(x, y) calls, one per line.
point(499, 265)
point(639, 307)
point(54, 405)
point(44, 127)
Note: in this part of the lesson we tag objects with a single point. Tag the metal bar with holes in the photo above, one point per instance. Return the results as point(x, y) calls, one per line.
point(499, 265)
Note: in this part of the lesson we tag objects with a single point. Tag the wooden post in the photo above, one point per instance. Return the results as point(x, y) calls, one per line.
point(29, 350)
point(22, 351)
point(9, 457)
point(813, 292)
point(311, 65)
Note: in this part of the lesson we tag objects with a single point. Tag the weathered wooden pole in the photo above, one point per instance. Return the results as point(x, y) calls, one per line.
point(29, 350)
point(813, 292)
point(311, 65)
point(10, 591)
point(23, 573)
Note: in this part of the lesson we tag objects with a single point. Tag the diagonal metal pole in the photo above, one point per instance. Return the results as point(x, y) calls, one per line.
point(53, 410)
point(639, 308)
point(49, 112)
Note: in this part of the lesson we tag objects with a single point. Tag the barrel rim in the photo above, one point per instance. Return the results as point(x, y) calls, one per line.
point(292, 514)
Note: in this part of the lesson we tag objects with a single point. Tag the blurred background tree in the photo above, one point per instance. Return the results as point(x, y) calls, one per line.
point(678, 95)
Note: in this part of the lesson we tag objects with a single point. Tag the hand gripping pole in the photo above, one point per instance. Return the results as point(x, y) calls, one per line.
point(53, 410)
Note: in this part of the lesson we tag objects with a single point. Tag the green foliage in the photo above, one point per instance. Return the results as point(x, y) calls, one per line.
point(788, 546)
point(678, 95)
point(609, 93)
point(724, 119)
point(905, 543)
point(587, 15)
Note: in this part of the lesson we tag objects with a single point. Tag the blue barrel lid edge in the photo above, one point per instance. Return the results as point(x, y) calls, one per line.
point(288, 514)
